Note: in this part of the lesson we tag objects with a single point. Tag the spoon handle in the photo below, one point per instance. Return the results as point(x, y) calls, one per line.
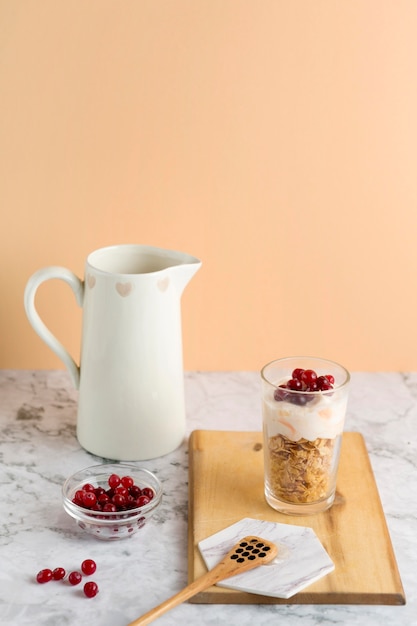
point(190, 590)
point(249, 553)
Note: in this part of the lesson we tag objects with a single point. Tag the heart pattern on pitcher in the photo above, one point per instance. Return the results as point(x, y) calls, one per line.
point(124, 289)
point(91, 281)
point(163, 284)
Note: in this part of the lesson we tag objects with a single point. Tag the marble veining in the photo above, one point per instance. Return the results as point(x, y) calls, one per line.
point(301, 558)
point(39, 449)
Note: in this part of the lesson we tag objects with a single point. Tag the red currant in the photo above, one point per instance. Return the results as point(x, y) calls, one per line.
point(303, 380)
point(121, 494)
point(127, 481)
point(294, 384)
point(130, 502)
point(109, 507)
point(78, 497)
point(103, 498)
point(114, 481)
point(58, 573)
point(89, 499)
point(74, 578)
point(91, 589)
point(135, 491)
point(143, 501)
point(118, 500)
point(148, 492)
point(297, 373)
point(44, 576)
point(280, 394)
point(88, 567)
point(323, 383)
point(88, 487)
point(308, 377)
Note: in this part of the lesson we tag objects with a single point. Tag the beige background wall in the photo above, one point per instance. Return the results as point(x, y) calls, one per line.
point(274, 139)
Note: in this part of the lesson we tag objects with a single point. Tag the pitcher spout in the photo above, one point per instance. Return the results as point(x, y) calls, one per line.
point(184, 271)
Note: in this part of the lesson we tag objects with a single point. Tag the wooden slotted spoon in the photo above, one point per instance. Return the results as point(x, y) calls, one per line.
point(250, 552)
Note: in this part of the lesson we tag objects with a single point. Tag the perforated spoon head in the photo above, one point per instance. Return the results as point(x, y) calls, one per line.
point(248, 553)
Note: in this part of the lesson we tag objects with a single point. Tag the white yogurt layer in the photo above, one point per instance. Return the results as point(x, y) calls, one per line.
point(322, 417)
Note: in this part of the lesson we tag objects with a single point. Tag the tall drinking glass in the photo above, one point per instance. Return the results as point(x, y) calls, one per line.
point(304, 403)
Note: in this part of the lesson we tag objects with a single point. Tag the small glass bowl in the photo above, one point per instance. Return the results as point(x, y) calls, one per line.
point(109, 525)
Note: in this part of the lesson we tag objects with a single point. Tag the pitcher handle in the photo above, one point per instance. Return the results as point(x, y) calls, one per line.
point(38, 325)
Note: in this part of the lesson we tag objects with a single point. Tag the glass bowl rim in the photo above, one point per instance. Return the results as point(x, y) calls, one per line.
point(104, 517)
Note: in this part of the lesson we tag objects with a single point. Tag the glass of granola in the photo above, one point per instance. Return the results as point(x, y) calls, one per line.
point(304, 403)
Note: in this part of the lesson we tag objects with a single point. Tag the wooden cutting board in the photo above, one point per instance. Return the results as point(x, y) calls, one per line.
point(226, 485)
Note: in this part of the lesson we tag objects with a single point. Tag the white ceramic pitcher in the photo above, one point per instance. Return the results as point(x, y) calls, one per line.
point(131, 382)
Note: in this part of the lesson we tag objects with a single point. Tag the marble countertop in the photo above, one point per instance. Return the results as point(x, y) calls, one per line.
point(38, 450)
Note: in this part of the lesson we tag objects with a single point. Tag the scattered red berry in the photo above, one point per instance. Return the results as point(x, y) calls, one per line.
point(91, 589)
point(44, 576)
point(58, 573)
point(88, 567)
point(74, 578)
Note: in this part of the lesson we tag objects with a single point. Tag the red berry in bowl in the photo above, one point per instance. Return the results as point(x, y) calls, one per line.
point(90, 589)
point(109, 507)
point(127, 481)
point(88, 487)
point(78, 497)
point(143, 501)
point(148, 492)
point(135, 491)
point(88, 567)
point(103, 498)
point(114, 481)
point(89, 499)
point(119, 501)
point(44, 576)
